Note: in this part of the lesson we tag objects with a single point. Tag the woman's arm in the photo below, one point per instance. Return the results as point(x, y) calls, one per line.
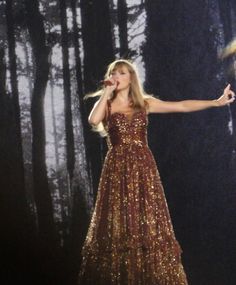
point(99, 109)
point(159, 106)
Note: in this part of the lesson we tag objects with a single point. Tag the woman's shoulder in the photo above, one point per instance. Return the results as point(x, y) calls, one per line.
point(148, 99)
point(151, 103)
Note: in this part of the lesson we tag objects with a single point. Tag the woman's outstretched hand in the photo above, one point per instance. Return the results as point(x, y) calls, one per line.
point(227, 98)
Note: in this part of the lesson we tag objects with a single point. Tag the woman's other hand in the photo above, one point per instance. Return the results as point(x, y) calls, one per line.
point(227, 98)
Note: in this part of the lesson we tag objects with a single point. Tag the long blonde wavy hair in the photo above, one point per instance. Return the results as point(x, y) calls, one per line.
point(137, 95)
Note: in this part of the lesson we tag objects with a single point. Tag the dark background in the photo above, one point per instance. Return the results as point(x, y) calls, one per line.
point(52, 53)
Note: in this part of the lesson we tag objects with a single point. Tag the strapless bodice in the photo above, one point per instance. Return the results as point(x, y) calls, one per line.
point(123, 131)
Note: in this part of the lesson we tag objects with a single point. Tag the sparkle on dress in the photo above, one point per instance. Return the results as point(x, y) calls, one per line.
point(130, 240)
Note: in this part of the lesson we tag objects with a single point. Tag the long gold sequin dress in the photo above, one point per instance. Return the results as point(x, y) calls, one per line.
point(130, 240)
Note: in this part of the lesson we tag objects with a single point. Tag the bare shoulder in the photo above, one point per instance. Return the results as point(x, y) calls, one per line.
point(152, 103)
point(152, 100)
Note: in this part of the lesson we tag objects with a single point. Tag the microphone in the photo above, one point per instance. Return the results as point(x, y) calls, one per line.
point(106, 82)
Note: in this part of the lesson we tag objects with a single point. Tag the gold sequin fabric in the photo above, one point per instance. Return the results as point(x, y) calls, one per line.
point(130, 240)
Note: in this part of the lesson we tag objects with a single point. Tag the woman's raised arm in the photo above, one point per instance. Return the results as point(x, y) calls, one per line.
point(159, 106)
point(99, 109)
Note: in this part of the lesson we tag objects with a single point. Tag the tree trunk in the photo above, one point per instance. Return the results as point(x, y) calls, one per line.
point(48, 249)
point(77, 226)
point(16, 223)
point(70, 148)
point(19, 196)
point(122, 24)
point(95, 14)
point(42, 195)
point(78, 67)
point(79, 79)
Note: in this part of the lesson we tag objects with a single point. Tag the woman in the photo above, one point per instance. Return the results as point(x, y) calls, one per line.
point(131, 239)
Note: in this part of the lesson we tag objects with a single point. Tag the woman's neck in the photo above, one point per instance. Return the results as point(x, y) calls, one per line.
point(123, 96)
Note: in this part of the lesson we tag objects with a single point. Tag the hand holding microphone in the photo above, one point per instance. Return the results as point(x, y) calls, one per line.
point(107, 82)
point(110, 83)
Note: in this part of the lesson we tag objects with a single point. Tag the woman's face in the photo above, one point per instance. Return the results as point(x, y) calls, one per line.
point(122, 76)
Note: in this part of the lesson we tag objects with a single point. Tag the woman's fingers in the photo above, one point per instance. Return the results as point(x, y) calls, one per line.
point(229, 94)
point(227, 89)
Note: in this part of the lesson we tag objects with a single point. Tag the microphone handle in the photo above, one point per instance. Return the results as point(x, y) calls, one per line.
point(106, 83)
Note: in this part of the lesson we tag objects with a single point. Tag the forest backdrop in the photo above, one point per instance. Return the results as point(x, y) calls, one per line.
point(52, 53)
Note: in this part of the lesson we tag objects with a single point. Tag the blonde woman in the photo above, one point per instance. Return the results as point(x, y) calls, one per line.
point(130, 238)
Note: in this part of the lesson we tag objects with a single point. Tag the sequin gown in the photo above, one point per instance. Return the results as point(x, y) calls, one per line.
point(130, 240)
